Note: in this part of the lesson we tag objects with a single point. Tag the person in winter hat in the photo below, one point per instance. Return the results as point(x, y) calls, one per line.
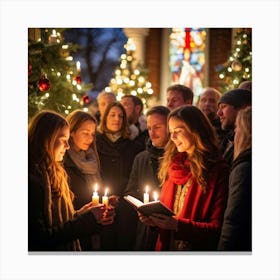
point(228, 106)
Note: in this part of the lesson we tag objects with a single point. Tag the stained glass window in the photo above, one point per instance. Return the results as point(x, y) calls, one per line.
point(187, 57)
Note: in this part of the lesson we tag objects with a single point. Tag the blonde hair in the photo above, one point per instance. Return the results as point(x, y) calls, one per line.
point(76, 119)
point(43, 131)
point(244, 123)
point(205, 148)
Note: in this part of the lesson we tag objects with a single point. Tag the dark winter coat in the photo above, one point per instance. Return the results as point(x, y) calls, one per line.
point(144, 172)
point(228, 147)
point(78, 183)
point(83, 193)
point(236, 234)
point(41, 236)
point(116, 159)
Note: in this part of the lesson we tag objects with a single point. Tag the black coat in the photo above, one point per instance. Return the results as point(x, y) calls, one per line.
point(236, 234)
point(116, 159)
point(82, 190)
point(228, 147)
point(144, 172)
point(41, 237)
point(80, 187)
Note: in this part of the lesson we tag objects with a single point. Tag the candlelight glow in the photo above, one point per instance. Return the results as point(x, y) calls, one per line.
point(155, 196)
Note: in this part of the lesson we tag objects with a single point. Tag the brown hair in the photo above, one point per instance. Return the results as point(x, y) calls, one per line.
point(76, 119)
point(206, 148)
point(186, 92)
point(125, 127)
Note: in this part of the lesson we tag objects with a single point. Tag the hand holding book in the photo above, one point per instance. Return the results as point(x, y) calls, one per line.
point(150, 208)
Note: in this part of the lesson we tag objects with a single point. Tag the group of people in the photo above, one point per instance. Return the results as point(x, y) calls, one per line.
point(196, 157)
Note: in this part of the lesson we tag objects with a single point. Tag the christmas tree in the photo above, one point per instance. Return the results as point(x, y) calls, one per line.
point(238, 67)
point(130, 76)
point(54, 80)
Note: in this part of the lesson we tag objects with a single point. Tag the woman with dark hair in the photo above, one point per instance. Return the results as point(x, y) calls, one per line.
point(116, 153)
point(194, 180)
point(53, 223)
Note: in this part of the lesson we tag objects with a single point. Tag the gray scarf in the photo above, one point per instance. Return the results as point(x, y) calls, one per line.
point(86, 163)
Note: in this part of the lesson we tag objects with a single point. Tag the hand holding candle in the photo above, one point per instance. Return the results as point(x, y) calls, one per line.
point(105, 199)
point(146, 196)
point(95, 196)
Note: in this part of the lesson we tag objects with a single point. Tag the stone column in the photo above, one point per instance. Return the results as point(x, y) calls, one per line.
point(138, 35)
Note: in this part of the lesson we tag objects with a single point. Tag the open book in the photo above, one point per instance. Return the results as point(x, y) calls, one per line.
point(149, 208)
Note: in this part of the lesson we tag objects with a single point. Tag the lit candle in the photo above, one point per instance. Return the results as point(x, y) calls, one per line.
point(105, 199)
point(155, 196)
point(95, 196)
point(146, 195)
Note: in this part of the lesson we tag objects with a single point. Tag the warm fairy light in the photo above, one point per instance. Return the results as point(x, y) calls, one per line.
point(78, 65)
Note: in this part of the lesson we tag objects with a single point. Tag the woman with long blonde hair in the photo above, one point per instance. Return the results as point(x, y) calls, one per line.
point(53, 223)
point(236, 234)
point(194, 180)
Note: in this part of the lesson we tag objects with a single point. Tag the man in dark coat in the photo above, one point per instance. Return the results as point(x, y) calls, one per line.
point(144, 173)
point(229, 105)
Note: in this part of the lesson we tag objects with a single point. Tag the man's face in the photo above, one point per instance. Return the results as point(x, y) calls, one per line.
point(174, 99)
point(158, 130)
point(227, 114)
point(208, 103)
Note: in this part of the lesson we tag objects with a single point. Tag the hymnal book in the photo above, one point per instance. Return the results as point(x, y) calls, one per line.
point(147, 209)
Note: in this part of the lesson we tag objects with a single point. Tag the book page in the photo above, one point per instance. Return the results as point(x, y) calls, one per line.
point(134, 200)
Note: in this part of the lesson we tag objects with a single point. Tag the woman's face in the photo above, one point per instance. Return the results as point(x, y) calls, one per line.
point(61, 143)
point(83, 137)
point(114, 119)
point(182, 138)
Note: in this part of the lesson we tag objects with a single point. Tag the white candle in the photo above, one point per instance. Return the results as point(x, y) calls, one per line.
point(105, 199)
point(95, 196)
point(155, 196)
point(146, 195)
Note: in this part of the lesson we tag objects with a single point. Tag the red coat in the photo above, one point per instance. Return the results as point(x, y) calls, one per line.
point(200, 219)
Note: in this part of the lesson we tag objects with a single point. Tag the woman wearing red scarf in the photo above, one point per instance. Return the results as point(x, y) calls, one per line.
point(194, 181)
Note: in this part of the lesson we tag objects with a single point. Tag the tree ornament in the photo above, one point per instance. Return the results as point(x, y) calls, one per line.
point(86, 99)
point(78, 79)
point(44, 84)
point(236, 65)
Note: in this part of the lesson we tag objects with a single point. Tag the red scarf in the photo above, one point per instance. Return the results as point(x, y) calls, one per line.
point(179, 169)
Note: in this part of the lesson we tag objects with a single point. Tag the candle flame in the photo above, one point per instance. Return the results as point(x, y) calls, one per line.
point(95, 187)
point(106, 191)
point(147, 189)
point(155, 196)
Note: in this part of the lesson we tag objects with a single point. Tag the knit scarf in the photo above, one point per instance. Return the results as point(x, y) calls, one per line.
point(86, 162)
point(179, 169)
point(113, 137)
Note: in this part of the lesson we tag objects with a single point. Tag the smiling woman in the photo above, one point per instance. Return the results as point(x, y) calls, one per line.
point(194, 180)
point(53, 223)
